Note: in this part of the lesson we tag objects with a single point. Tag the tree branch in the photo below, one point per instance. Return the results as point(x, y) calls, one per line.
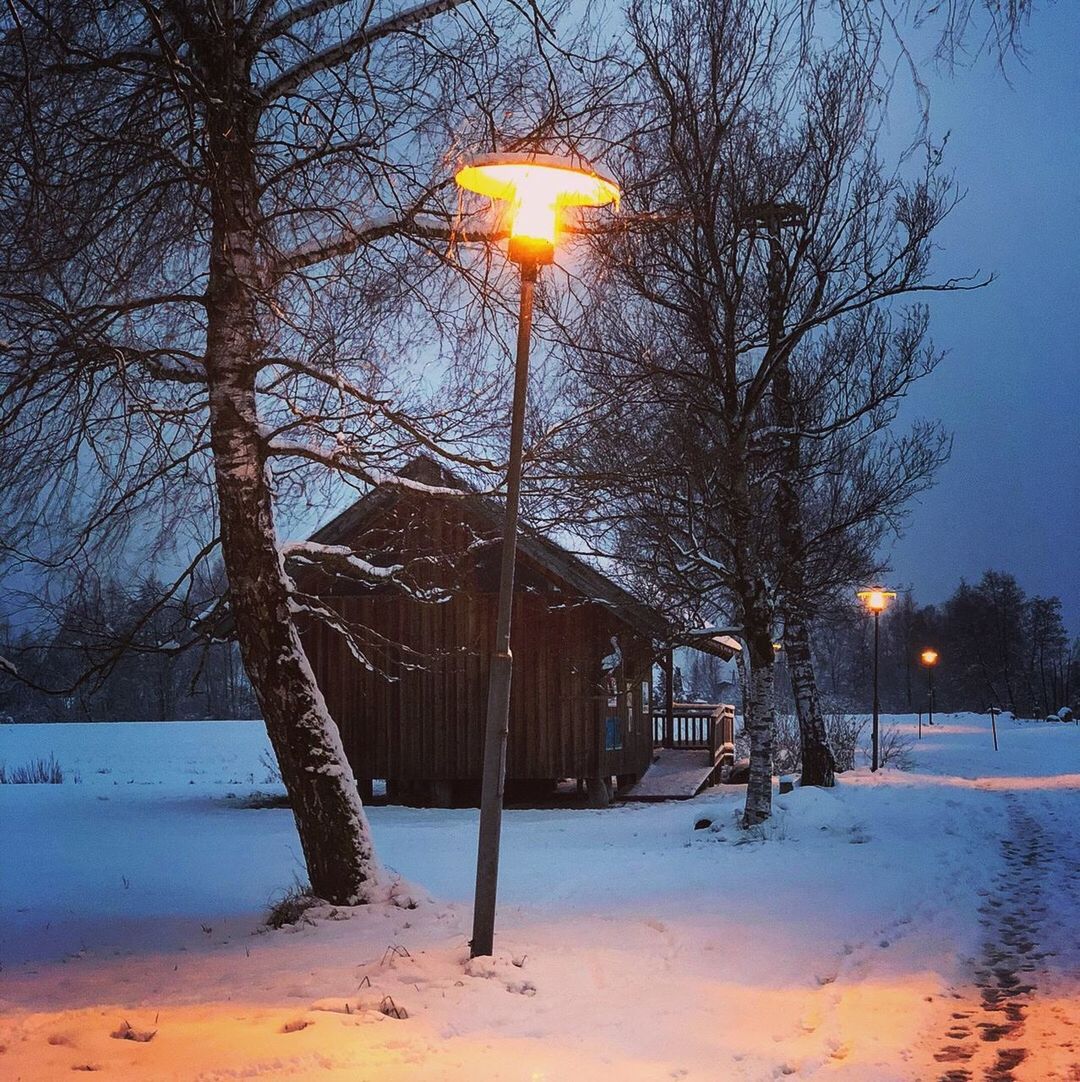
point(289, 80)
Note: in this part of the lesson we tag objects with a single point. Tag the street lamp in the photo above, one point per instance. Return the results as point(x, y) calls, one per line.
point(875, 601)
point(534, 188)
point(929, 658)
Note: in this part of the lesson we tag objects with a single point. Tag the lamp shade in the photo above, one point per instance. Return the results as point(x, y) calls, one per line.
point(535, 189)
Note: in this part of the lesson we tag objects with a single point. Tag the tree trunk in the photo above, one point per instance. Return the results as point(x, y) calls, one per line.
point(760, 725)
point(329, 815)
point(818, 763)
point(744, 684)
point(817, 757)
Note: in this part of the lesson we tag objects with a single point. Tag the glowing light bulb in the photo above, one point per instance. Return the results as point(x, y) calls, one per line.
point(535, 189)
point(876, 600)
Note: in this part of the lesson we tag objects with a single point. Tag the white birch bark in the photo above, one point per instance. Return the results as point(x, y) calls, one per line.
point(760, 726)
point(330, 818)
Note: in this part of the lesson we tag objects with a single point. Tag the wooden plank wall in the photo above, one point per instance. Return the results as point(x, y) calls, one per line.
point(424, 719)
point(427, 721)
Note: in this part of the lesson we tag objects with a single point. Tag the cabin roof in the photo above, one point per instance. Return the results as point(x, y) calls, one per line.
point(428, 477)
point(424, 475)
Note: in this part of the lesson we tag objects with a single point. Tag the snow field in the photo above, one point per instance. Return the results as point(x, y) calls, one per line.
point(828, 945)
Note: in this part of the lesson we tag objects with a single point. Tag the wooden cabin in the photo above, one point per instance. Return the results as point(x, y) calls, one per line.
point(583, 651)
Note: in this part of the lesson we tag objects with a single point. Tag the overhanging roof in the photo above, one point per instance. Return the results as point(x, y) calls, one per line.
point(711, 641)
point(423, 473)
point(570, 569)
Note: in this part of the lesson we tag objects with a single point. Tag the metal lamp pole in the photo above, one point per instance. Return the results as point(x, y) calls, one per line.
point(535, 188)
point(929, 658)
point(502, 662)
point(875, 601)
point(877, 703)
point(930, 694)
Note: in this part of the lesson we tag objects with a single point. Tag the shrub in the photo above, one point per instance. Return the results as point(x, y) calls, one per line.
point(291, 908)
point(894, 749)
point(36, 772)
point(845, 733)
point(787, 746)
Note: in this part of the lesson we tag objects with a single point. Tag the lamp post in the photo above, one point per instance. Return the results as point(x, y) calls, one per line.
point(875, 601)
point(929, 658)
point(535, 189)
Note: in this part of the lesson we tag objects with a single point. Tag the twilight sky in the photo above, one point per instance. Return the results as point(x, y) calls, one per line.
point(1009, 388)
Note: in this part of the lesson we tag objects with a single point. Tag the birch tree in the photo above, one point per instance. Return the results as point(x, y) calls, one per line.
point(747, 382)
point(224, 234)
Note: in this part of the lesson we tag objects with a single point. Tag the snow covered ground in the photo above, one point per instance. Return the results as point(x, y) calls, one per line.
point(877, 931)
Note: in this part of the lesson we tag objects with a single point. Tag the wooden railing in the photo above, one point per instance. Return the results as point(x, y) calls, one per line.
point(710, 726)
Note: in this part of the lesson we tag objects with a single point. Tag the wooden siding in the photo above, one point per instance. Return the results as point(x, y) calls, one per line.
point(427, 721)
point(419, 715)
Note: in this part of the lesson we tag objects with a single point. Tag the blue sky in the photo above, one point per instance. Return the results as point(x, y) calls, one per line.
point(1009, 388)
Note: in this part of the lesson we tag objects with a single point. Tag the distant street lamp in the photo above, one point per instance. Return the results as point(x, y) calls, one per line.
point(535, 189)
point(929, 658)
point(875, 601)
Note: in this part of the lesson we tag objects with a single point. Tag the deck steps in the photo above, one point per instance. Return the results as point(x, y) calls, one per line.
point(675, 774)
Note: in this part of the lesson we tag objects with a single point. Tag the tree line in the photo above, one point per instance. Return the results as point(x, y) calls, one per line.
point(113, 662)
point(997, 646)
point(238, 285)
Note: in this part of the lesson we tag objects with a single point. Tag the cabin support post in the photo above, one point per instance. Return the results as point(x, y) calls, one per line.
point(669, 699)
point(599, 792)
point(498, 704)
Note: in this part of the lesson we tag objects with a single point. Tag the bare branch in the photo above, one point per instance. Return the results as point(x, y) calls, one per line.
point(290, 80)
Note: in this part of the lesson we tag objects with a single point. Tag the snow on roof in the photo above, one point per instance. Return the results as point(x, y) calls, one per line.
point(429, 477)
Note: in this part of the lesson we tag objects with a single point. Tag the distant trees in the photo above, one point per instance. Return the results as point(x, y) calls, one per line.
point(998, 647)
point(117, 666)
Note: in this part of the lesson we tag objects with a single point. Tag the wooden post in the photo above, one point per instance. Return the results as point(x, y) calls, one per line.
point(920, 725)
point(993, 724)
point(669, 700)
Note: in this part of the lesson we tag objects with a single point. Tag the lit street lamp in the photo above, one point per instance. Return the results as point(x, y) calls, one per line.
point(535, 189)
point(875, 601)
point(929, 658)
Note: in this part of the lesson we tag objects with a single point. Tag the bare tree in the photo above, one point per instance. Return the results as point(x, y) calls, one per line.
point(748, 385)
point(962, 29)
point(224, 236)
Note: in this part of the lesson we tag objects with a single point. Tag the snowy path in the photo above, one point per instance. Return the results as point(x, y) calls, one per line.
point(837, 944)
point(1014, 1024)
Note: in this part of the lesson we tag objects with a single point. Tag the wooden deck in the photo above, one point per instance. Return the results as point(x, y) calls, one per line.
point(697, 725)
point(689, 749)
